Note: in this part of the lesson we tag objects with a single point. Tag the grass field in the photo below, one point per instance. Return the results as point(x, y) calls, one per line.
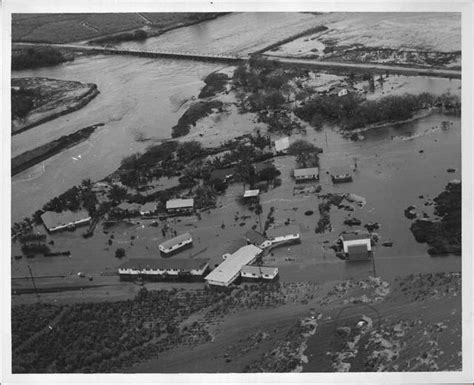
point(70, 27)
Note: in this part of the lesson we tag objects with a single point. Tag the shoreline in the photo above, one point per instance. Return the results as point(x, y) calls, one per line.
point(83, 101)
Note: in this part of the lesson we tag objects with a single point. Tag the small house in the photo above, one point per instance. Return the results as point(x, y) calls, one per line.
point(356, 247)
point(284, 235)
point(148, 208)
point(259, 273)
point(251, 195)
point(255, 238)
point(306, 174)
point(342, 92)
point(180, 205)
point(341, 174)
point(282, 145)
point(126, 208)
point(65, 220)
point(176, 244)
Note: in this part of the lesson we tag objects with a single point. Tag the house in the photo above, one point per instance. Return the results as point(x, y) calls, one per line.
point(342, 92)
point(284, 235)
point(176, 244)
point(255, 238)
point(127, 209)
point(157, 269)
point(282, 145)
point(341, 174)
point(148, 208)
point(229, 270)
point(306, 174)
point(258, 273)
point(223, 174)
point(180, 205)
point(356, 247)
point(251, 195)
point(66, 220)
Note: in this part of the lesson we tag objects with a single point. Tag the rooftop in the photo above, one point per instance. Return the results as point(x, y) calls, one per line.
point(343, 170)
point(352, 236)
point(174, 241)
point(306, 171)
point(282, 144)
point(128, 206)
point(179, 203)
point(164, 264)
point(52, 219)
point(254, 237)
point(251, 193)
point(358, 252)
point(259, 270)
point(232, 265)
point(149, 206)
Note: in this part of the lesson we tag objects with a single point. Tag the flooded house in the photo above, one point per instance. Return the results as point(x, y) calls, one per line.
point(157, 269)
point(66, 220)
point(229, 270)
point(306, 174)
point(341, 174)
point(356, 247)
point(284, 235)
point(282, 145)
point(259, 273)
point(126, 208)
point(342, 92)
point(255, 238)
point(251, 195)
point(180, 206)
point(148, 208)
point(176, 244)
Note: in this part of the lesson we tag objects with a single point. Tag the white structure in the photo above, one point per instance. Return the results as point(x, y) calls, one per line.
point(251, 193)
point(282, 145)
point(342, 92)
point(304, 174)
point(355, 240)
point(65, 220)
point(284, 234)
point(259, 272)
point(229, 270)
point(172, 245)
point(180, 205)
point(151, 268)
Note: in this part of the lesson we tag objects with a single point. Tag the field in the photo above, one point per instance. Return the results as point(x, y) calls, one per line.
point(65, 28)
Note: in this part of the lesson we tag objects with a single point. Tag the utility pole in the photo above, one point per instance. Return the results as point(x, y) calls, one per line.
point(373, 264)
point(34, 284)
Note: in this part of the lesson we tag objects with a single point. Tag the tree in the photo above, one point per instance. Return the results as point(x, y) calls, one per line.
point(117, 193)
point(120, 253)
point(269, 173)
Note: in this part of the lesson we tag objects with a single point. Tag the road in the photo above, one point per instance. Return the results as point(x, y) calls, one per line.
point(358, 67)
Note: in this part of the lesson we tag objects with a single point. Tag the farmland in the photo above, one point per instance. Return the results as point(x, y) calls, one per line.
point(66, 28)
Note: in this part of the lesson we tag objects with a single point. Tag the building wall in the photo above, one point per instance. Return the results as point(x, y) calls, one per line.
point(356, 242)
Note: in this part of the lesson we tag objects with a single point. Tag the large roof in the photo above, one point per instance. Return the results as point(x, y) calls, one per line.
point(232, 265)
point(283, 230)
point(353, 236)
point(306, 171)
point(179, 203)
point(174, 241)
point(52, 219)
point(254, 237)
point(164, 264)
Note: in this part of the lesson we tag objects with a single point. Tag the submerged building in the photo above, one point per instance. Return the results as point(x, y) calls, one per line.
point(259, 273)
point(180, 206)
point(66, 220)
point(306, 174)
point(176, 244)
point(341, 174)
point(356, 247)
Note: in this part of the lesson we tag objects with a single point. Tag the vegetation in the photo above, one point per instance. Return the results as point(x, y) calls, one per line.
point(443, 236)
point(139, 35)
point(120, 253)
point(215, 83)
point(38, 57)
point(351, 111)
point(307, 154)
point(22, 102)
point(197, 111)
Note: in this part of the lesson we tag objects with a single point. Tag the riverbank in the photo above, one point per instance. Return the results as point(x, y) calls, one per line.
point(47, 100)
point(30, 158)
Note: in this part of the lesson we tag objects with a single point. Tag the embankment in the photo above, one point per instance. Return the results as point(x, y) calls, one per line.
point(32, 157)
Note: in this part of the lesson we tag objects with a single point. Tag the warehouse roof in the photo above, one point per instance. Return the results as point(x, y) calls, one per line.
point(232, 265)
point(52, 219)
point(179, 203)
point(174, 241)
point(164, 264)
point(299, 172)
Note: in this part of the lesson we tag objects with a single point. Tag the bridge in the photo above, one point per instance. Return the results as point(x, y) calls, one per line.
point(234, 59)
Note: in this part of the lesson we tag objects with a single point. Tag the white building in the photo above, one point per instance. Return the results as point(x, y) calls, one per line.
point(175, 244)
point(158, 269)
point(66, 220)
point(305, 174)
point(282, 145)
point(180, 205)
point(284, 235)
point(356, 247)
point(342, 92)
point(265, 273)
point(148, 208)
point(229, 269)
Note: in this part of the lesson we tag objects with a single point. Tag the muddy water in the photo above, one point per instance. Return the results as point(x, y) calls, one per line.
point(139, 97)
